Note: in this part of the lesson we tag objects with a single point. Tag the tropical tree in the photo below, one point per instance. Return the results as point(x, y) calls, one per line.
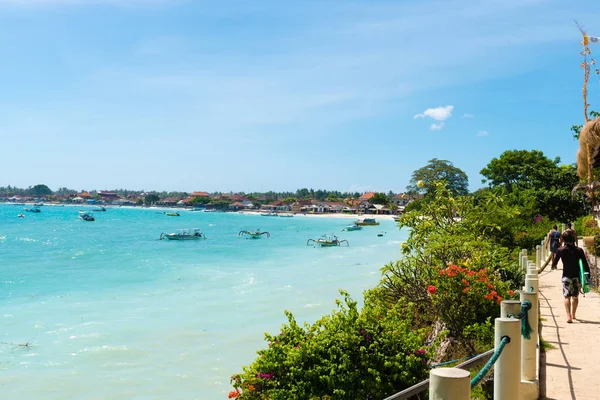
point(40, 190)
point(151, 198)
point(380, 198)
point(521, 168)
point(424, 179)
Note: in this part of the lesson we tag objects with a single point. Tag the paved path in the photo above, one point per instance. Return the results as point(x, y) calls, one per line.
point(572, 368)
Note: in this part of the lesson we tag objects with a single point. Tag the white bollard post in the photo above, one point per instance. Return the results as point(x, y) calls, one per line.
point(562, 227)
point(538, 256)
point(524, 263)
point(509, 308)
point(532, 284)
point(524, 252)
point(449, 383)
point(532, 269)
point(529, 347)
point(507, 370)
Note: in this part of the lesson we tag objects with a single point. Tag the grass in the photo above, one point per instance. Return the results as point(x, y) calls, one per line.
point(546, 345)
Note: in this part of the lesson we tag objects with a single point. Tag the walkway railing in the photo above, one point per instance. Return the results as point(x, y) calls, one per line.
point(515, 356)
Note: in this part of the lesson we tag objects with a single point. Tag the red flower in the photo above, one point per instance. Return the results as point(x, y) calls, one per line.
point(511, 293)
point(234, 394)
point(431, 289)
point(490, 286)
point(466, 282)
point(465, 290)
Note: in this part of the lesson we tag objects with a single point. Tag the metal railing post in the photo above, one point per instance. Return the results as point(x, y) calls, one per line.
point(449, 383)
point(509, 308)
point(507, 371)
point(529, 346)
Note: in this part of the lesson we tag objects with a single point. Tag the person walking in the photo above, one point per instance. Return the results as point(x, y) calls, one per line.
point(569, 229)
point(571, 285)
point(553, 242)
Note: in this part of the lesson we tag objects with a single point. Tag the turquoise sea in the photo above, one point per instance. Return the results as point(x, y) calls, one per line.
point(108, 311)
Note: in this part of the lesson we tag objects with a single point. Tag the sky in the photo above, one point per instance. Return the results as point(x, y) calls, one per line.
point(261, 95)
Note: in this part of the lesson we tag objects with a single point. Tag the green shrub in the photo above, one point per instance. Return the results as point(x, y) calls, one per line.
point(350, 354)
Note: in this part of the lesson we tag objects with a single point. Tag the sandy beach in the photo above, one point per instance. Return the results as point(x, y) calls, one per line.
point(333, 215)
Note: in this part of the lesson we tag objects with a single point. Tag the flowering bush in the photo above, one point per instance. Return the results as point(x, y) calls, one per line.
point(350, 354)
point(462, 297)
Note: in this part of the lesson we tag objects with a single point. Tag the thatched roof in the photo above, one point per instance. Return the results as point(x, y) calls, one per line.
point(589, 137)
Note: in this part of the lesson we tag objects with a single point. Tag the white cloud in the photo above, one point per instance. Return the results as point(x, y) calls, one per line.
point(438, 113)
point(482, 133)
point(466, 115)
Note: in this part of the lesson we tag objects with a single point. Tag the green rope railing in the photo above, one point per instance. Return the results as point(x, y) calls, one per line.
point(486, 368)
point(526, 329)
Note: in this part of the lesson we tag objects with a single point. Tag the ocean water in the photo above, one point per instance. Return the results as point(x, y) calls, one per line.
point(107, 311)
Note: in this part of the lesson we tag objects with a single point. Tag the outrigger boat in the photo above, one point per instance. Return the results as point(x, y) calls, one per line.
point(86, 216)
point(327, 241)
point(367, 222)
point(172, 214)
point(100, 208)
point(353, 227)
point(33, 210)
point(183, 234)
point(269, 214)
point(254, 234)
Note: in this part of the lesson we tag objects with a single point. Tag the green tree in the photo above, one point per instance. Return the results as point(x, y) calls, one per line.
point(436, 170)
point(380, 198)
point(521, 168)
point(40, 190)
point(200, 200)
point(151, 198)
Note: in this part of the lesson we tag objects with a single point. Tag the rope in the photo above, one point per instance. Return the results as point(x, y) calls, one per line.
point(452, 361)
point(486, 368)
point(525, 327)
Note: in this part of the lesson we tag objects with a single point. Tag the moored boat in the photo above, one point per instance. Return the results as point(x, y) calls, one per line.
point(172, 214)
point(269, 214)
point(286, 215)
point(327, 241)
point(86, 216)
point(184, 234)
point(367, 222)
point(33, 210)
point(353, 227)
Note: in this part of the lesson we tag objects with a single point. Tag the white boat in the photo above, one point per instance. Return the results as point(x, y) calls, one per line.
point(269, 214)
point(184, 234)
point(286, 215)
point(353, 227)
point(367, 222)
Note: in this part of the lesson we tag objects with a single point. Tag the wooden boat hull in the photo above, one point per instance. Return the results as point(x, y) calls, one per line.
point(182, 237)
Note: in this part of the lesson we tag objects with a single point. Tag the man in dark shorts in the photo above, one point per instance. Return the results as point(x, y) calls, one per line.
point(570, 256)
point(553, 242)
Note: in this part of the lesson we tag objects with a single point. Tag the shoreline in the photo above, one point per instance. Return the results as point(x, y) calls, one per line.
point(332, 215)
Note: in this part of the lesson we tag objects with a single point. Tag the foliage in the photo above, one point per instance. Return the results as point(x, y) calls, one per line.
point(521, 168)
point(537, 185)
point(453, 241)
point(151, 198)
point(380, 198)
point(200, 200)
point(40, 190)
point(351, 354)
point(424, 179)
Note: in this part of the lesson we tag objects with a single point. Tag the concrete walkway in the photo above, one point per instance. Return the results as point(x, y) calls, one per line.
point(572, 369)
